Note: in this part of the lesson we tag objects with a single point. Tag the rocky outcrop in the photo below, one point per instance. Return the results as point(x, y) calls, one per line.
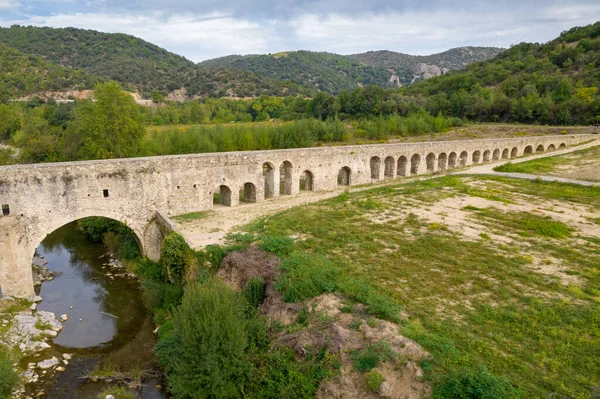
point(41, 272)
point(29, 331)
point(425, 71)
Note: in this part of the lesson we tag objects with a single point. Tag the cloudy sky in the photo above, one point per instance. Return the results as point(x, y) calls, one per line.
point(204, 29)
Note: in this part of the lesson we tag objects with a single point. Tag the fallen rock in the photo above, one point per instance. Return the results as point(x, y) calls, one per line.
point(7, 298)
point(64, 317)
point(66, 356)
point(36, 299)
point(33, 307)
point(48, 363)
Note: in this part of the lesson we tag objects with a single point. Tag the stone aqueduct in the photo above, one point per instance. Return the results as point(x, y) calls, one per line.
point(38, 199)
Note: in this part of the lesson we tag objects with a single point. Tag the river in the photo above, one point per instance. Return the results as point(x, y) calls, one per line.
point(108, 325)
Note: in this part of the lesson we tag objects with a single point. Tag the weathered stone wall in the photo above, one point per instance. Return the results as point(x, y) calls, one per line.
point(44, 197)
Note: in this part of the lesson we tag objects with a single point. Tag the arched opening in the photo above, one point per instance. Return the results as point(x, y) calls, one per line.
point(514, 153)
point(505, 153)
point(528, 150)
point(285, 178)
point(222, 196)
point(344, 176)
point(306, 181)
point(402, 166)
point(442, 162)
point(268, 171)
point(477, 156)
point(452, 160)
point(463, 158)
point(430, 161)
point(562, 145)
point(82, 263)
point(415, 160)
point(375, 167)
point(248, 193)
point(551, 147)
point(486, 156)
point(539, 149)
point(496, 155)
point(388, 172)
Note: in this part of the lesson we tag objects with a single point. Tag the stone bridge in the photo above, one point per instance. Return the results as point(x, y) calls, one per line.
point(38, 199)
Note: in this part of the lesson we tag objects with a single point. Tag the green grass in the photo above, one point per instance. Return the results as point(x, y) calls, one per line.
point(472, 304)
point(550, 164)
point(190, 217)
point(118, 392)
point(373, 380)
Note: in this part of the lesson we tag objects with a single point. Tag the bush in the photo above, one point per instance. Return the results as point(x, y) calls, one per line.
point(8, 377)
point(203, 357)
point(369, 357)
point(173, 256)
point(282, 376)
point(305, 276)
point(254, 291)
point(373, 380)
point(475, 383)
point(279, 245)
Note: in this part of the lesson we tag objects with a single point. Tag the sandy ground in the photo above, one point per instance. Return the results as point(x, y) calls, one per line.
point(223, 220)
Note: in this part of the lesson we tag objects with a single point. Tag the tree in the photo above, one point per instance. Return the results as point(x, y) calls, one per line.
point(204, 356)
point(111, 128)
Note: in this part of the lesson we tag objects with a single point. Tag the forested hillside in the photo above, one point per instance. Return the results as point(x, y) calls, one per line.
point(555, 83)
point(22, 74)
point(323, 71)
point(419, 67)
point(137, 64)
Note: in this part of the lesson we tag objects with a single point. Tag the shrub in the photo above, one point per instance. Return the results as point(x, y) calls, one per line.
point(373, 380)
point(118, 393)
point(203, 357)
point(173, 256)
point(282, 376)
point(254, 291)
point(305, 276)
point(370, 356)
point(8, 377)
point(279, 245)
point(476, 383)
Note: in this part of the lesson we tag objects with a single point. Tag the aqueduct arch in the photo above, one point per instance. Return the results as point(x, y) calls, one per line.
point(142, 192)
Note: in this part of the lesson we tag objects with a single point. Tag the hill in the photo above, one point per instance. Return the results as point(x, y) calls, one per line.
point(137, 64)
point(322, 71)
point(410, 68)
point(22, 74)
point(555, 82)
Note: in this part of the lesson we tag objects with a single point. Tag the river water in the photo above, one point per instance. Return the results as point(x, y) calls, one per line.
point(108, 325)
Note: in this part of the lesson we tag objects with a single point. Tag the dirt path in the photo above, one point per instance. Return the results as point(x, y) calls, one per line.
point(222, 220)
point(488, 169)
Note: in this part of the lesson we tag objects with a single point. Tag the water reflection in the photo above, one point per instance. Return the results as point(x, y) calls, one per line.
point(84, 286)
point(108, 323)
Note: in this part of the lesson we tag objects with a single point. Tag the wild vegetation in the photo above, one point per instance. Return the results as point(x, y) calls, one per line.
point(22, 74)
point(136, 64)
point(499, 318)
point(551, 83)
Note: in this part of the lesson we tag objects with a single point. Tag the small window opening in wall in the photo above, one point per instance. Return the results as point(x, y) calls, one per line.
point(5, 210)
point(105, 193)
point(195, 185)
point(178, 187)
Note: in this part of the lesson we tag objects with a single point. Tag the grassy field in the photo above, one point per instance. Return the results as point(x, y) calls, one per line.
point(488, 271)
point(582, 164)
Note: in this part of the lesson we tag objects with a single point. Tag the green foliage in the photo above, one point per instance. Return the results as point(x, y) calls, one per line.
point(279, 375)
point(370, 356)
point(476, 383)
point(173, 256)
point(279, 245)
point(22, 74)
point(373, 380)
point(203, 356)
point(304, 275)
point(8, 377)
point(112, 127)
point(116, 235)
point(254, 291)
point(551, 83)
